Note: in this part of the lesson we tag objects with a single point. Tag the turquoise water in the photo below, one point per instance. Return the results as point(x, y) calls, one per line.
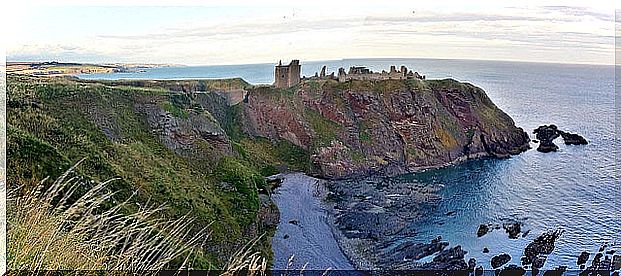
point(577, 188)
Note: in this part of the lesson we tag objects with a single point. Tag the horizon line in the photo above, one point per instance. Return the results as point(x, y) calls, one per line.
point(8, 60)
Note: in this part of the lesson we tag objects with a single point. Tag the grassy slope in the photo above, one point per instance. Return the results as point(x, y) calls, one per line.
point(50, 127)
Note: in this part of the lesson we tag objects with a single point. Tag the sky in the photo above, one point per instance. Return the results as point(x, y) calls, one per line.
point(243, 33)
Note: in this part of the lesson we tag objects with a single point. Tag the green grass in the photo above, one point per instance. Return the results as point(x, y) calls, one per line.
point(175, 110)
point(325, 129)
point(52, 123)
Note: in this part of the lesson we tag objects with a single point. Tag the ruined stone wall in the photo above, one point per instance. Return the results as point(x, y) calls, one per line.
point(294, 73)
point(287, 75)
point(281, 76)
point(373, 76)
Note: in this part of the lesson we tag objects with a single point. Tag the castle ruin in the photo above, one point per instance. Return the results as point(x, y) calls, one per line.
point(364, 73)
point(287, 75)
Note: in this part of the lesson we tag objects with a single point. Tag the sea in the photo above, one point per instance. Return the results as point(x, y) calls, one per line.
point(577, 188)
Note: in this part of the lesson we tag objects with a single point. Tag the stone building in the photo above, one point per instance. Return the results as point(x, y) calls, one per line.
point(287, 75)
point(364, 73)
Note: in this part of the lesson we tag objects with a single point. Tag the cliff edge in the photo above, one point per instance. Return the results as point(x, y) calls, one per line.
point(388, 127)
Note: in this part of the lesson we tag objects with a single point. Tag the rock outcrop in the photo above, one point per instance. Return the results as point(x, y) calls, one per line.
point(536, 253)
point(547, 133)
point(388, 127)
point(500, 260)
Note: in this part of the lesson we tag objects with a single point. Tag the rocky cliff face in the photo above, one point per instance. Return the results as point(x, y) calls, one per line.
point(388, 127)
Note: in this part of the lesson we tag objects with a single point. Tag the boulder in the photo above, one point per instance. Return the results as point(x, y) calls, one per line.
point(583, 258)
point(448, 259)
point(483, 229)
point(512, 270)
point(513, 229)
point(616, 262)
point(410, 250)
point(546, 135)
point(535, 252)
point(472, 263)
point(573, 139)
point(500, 260)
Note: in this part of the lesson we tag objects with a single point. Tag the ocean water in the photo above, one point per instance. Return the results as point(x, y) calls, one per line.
point(577, 188)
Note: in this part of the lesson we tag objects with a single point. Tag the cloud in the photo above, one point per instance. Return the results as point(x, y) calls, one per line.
point(581, 12)
point(57, 52)
point(509, 33)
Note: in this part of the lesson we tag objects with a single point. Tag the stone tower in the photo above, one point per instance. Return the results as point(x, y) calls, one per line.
point(287, 75)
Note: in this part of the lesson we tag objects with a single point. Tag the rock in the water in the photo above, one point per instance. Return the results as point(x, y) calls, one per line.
point(500, 260)
point(485, 250)
point(558, 271)
point(605, 264)
point(611, 252)
point(483, 229)
point(285, 236)
point(573, 139)
point(616, 262)
point(513, 229)
point(409, 250)
point(535, 253)
point(512, 270)
point(478, 271)
point(583, 258)
point(448, 259)
point(597, 259)
point(546, 134)
point(597, 264)
point(472, 263)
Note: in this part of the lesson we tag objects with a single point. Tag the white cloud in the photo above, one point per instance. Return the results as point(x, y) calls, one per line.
point(550, 33)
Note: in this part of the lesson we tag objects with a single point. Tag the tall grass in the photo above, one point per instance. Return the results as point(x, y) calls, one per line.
point(246, 261)
point(54, 229)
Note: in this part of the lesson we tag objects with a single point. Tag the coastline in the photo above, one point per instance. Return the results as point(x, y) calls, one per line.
point(305, 222)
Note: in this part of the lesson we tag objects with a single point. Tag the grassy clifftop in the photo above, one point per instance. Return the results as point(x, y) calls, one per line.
point(162, 144)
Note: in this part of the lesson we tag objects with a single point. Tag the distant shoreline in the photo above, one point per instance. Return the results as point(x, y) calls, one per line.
point(63, 69)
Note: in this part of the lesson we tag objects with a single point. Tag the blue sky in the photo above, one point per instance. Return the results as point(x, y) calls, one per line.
point(201, 35)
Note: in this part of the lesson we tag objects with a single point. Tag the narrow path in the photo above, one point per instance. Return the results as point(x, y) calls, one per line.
point(303, 222)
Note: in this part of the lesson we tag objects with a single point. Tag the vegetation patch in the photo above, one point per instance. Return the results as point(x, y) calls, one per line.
point(325, 129)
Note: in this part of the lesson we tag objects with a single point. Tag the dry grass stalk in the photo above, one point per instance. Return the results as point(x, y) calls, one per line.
point(50, 230)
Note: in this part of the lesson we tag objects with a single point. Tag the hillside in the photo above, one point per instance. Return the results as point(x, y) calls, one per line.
point(164, 145)
point(387, 127)
point(186, 144)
